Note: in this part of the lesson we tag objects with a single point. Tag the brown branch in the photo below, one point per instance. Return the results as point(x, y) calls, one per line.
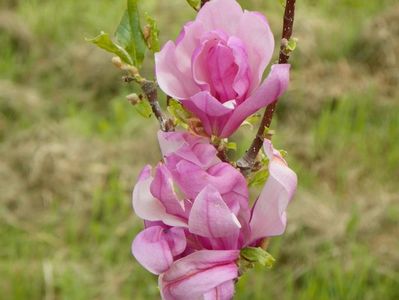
point(149, 88)
point(247, 162)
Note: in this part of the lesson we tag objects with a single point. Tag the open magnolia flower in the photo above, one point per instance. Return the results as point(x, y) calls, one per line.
point(197, 216)
point(215, 66)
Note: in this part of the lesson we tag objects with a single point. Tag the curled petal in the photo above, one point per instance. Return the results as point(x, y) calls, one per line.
point(211, 217)
point(173, 81)
point(271, 89)
point(195, 149)
point(212, 113)
point(149, 208)
point(163, 190)
point(198, 273)
point(268, 216)
point(155, 247)
point(225, 291)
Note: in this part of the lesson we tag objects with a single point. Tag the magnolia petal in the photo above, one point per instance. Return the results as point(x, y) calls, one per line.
point(170, 78)
point(149, 208)
point(225, 291)
point(271, 89)
point(268, 216)
point(163, 190)
point(198, 273)
point(212, 18)
point(155, 247)
point(211, 217)
point(254, 31)
point(212, 113)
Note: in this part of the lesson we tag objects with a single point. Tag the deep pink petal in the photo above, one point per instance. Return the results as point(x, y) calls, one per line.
point(172, 80)
point(149, 208)
point(163, 190)
point(211, 217)
point(254, 31)
point(269, 217)
point(220, 14)
point(155, 247)
point(184, 145)
point(210, 111)
point(271, 89)
point(198, 273)
point(225, 291)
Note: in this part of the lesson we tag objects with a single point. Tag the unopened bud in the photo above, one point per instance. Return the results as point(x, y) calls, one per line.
point(133, 98)
point(147, 32)
point(131, 69)
point(117, 62)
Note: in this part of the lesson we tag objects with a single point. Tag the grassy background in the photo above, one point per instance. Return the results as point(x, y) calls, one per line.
point(71, 147)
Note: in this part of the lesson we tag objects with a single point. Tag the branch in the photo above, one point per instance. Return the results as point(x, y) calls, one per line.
point(247, 162)
point(149, 88)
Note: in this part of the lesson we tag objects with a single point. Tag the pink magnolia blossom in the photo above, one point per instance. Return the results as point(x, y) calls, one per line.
point(215, 66)
point(192, 238)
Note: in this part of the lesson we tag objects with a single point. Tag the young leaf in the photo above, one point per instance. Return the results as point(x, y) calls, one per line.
point(144, 109)
point(259, 178)
point(257, 255)
point(104, 42)
point(194, 4)
point(152, 37)
point(179, 113)
point(130, 35)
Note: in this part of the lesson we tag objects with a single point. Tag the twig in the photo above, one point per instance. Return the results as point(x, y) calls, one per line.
point(149, 88)
point(246, 163)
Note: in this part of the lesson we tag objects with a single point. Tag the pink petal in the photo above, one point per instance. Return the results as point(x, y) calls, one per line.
point(269, 217)
point(225, 291)
point(198, 273)
point(209, 110)
point(254, 31)
point(173, 81)
point(195, 149)
point(149, 208)
point(220, 14)
point(271, 89)
point(211, 217)
point(163, 190)
point(155, 247)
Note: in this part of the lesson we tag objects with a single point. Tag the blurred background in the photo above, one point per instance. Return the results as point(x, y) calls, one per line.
point(71, 147)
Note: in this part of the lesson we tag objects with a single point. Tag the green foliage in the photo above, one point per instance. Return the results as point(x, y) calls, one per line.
point(179, 113)
point(153, 34)
point(194, 3)
point(130, 34)
point(257, 255)
point(104, 42)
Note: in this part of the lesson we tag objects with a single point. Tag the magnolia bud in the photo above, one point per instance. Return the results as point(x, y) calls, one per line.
point(117, 62)
point(133, 98)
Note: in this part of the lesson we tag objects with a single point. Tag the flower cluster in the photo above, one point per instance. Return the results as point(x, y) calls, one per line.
point(197, 216)
point(196, 208)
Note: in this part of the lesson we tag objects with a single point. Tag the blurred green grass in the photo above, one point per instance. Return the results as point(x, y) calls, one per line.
point(71, 147)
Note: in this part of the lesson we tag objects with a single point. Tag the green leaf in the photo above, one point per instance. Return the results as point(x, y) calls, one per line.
point(292, 43)
point(144, 109)
point(153, 35)
point(130, 35)
point(194, 3)
point(104, 42)
point(258, 179)
point(231, 146)
point(178, 112)
point(257, 255)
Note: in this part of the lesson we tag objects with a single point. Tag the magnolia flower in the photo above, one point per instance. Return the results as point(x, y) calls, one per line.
point(192, 239)
point(215, 66)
